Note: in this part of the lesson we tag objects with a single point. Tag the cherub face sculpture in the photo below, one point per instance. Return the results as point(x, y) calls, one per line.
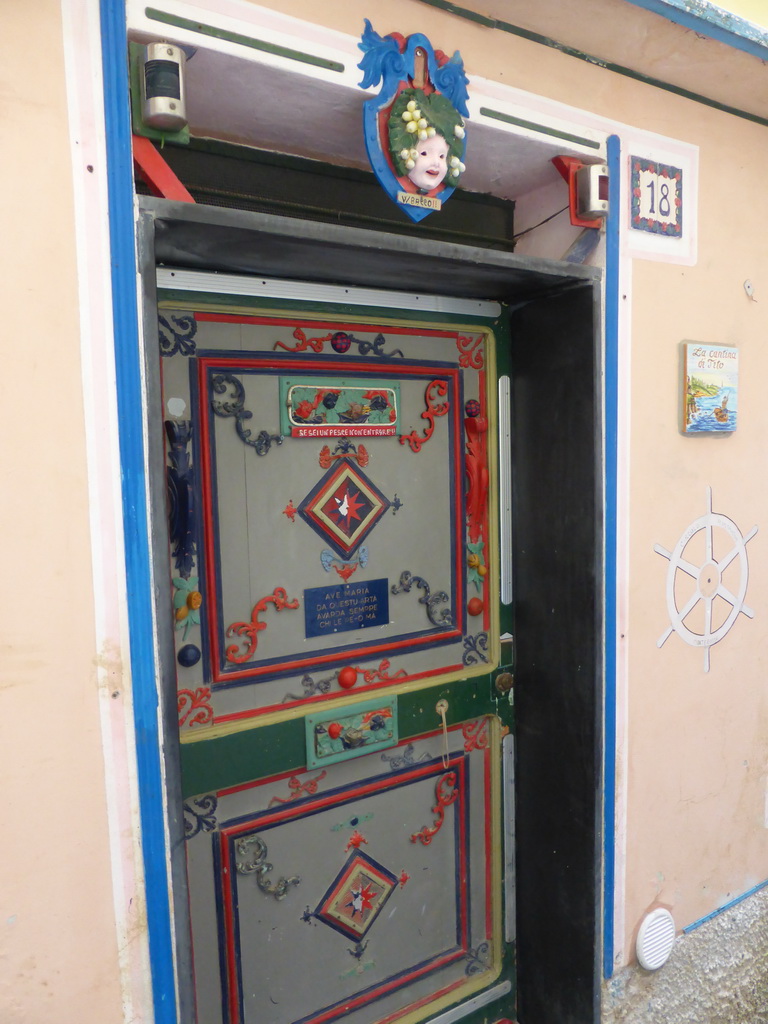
point(431, 164)
point(426, 139)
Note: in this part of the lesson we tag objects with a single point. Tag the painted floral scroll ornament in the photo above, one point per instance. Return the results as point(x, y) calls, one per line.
point(343, 566)
point(446, 793)
point(475, 735)
point(311, 687)
point(470, 351)
point(380, 674)
point(258, 865)
point(414, 129)
point(437, 616)
point(435, 390)
point(356, 840)
point(299, 789)
point(478, 959)
point(279, 598)
point(234, 405)
point(344, 449)
point(176, 334)
point(194, 707)
point(200, 815)
point(340, 342)
point(475, 649)
point(405, 759)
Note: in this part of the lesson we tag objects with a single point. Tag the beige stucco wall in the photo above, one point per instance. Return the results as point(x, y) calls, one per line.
point(58, 956)
point(696, 757)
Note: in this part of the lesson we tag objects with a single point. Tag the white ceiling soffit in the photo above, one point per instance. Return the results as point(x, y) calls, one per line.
point(253, 97)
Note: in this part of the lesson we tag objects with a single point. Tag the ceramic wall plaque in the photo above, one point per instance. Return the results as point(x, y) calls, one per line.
point(415, 127)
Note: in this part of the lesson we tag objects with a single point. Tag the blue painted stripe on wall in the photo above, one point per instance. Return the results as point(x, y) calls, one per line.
point(708, 20)
point(129, 404)
point(725, 906)
point(611, 428)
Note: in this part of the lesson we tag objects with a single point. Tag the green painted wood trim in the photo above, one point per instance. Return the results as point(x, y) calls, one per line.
point(214, 764)
point(571, 51)
point(235, 37)
point(532, 126)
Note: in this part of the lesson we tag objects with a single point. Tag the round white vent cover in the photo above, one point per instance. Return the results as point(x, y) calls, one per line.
point(655, 939)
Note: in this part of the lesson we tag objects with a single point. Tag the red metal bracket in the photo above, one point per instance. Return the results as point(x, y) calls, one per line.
point(153, 169)
point(568, 166)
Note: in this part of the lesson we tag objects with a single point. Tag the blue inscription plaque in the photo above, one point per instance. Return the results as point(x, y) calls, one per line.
point(329, 610)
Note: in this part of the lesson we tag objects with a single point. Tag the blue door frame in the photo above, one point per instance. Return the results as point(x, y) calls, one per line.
point(114, 44)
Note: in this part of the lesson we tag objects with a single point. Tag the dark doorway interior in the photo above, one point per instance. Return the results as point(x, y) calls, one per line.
point(557, 629)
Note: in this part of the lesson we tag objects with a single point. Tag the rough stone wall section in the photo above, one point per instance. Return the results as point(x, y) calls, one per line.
point(716, 974)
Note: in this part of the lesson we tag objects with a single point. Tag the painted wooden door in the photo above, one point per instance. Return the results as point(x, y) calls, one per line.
point(345, 747)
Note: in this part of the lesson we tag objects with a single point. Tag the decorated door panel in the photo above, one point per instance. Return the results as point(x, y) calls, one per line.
point(332, 528)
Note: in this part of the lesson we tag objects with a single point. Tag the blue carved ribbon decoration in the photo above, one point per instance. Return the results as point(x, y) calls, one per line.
point(181, 502)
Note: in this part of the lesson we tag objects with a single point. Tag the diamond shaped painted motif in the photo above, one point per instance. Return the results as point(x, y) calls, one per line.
point(356, 896)
point(344, 507)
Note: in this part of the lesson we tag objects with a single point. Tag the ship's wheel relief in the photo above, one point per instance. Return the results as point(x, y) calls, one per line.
point(707, 580)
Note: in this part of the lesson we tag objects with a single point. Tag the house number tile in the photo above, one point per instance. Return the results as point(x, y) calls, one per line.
point(656, 197)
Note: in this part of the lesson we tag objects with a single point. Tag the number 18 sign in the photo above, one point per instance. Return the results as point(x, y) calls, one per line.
point(657, 197)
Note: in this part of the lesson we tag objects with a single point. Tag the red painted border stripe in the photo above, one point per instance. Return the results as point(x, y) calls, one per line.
point(211, 621)
point(358, 653)
point(229, 930)
point(481, 384)
point(238, 716)
point(263, 782)
point(207, 364)
point(369, 997)
point(460, 812)
point(267, 362)
point(321, 802)
point(315, 325)
point(423, 1001)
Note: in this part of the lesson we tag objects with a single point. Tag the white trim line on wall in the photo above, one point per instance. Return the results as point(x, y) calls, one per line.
point(81, 36)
